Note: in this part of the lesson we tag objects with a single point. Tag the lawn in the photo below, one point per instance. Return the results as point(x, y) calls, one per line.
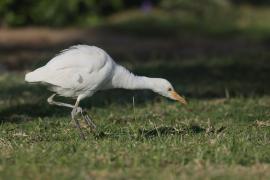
point(224, 132)
point(222, 70)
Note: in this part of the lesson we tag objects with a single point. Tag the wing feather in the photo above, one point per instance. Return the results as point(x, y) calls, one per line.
point(78, 68)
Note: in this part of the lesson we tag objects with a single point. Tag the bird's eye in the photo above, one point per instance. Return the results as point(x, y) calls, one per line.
point(169, 89)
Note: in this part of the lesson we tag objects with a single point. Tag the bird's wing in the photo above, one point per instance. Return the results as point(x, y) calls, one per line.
point(90, 57)
point(78, 78)
point(80, 67)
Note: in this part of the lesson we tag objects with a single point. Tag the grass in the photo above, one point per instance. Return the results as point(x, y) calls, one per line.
point(223, 133)
point(246, 22)
point(214, 137)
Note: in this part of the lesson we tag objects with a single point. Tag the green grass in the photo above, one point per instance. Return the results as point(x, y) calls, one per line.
point(246, 22)
point(213, 138)
point(223, 133)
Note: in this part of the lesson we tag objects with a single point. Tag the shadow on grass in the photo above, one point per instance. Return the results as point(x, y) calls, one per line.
point(164, 131)
point(26, 112)
point(204, 81)
point(26, 102)
point(196, 80)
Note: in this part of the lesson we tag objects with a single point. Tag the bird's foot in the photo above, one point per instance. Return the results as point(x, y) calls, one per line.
point(88, 120)
point(74, 112)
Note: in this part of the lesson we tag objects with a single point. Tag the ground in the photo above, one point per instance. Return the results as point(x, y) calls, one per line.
point(214, 137)
point(223, 132)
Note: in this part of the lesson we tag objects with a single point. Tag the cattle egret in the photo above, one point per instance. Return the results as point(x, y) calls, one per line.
point(82, 70)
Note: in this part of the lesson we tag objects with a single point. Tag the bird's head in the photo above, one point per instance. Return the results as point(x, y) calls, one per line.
point(164, 88)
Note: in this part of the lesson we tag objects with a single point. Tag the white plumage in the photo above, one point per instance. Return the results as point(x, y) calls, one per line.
point(77, 71)
point(81, 70)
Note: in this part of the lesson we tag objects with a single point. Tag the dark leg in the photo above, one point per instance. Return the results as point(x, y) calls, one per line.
point(74, 112)
point(88, 120)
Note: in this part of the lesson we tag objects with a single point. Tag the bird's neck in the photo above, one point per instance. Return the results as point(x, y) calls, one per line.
point(125, 79)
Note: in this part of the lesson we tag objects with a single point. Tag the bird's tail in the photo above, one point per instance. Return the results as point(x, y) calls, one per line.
point(35, 76)
point(29, 77)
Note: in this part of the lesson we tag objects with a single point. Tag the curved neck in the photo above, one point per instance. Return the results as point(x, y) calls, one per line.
point(124, 79)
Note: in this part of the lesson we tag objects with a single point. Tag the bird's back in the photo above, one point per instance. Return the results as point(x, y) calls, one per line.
point(78, 68)
point(91, 57)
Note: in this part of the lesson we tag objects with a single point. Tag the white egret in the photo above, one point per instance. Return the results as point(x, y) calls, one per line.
point(82, 70)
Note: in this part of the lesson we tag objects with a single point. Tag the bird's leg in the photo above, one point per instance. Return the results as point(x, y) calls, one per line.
point(52, 102)
point(74, 112)
point(88, 120)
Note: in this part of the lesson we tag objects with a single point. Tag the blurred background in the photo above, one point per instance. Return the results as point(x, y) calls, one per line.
point(206, 48)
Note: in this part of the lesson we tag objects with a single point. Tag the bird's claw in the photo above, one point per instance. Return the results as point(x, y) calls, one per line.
point(78, 127)
point(86, 118)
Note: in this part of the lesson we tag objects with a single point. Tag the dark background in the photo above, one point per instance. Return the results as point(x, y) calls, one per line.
point(206, 48)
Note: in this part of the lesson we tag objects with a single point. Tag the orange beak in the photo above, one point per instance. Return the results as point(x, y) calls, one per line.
point(177, 97)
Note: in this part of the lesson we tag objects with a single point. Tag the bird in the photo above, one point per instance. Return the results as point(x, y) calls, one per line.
point(81, 70)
